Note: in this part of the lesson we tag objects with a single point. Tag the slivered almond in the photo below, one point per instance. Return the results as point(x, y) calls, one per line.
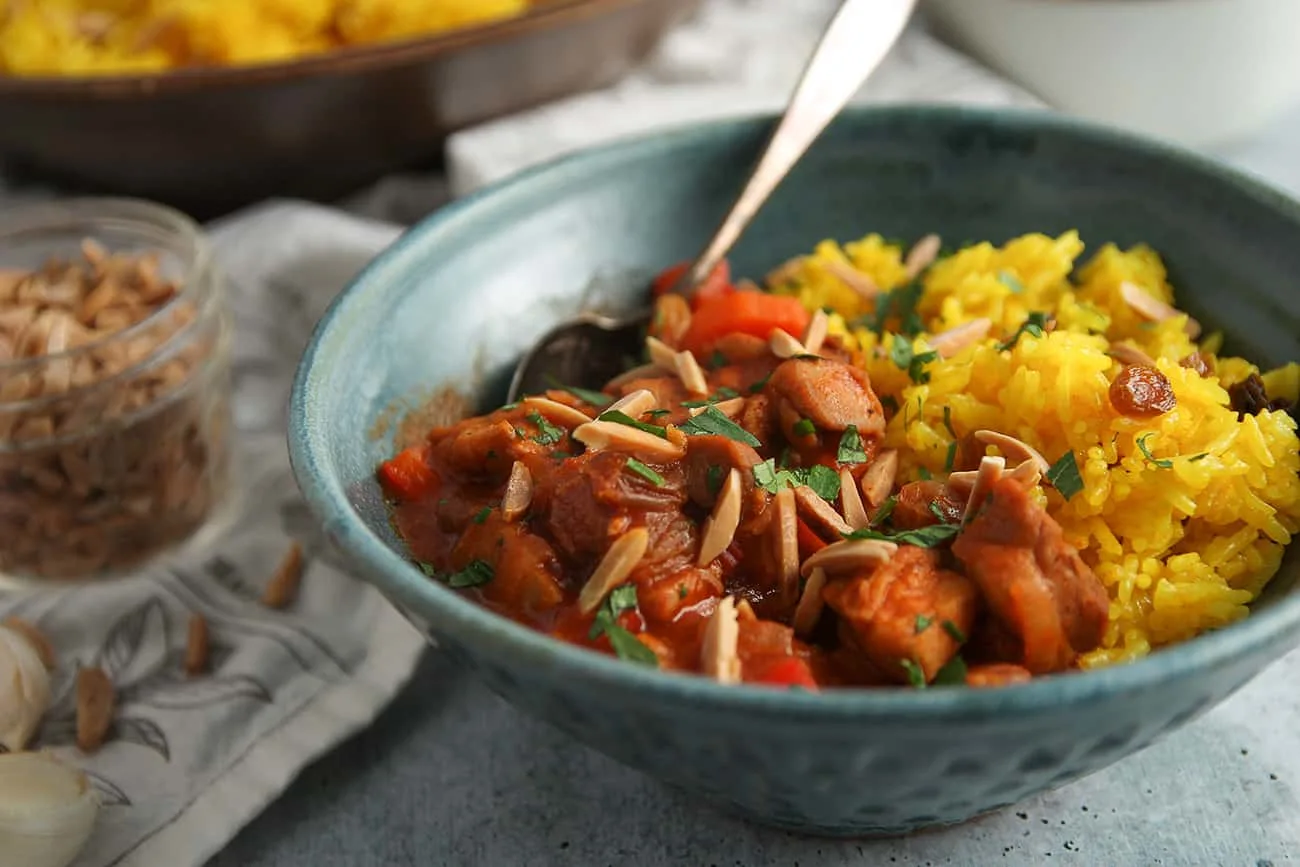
point(821, 513)
point(720, 527)
point(34, 638)
point(1127, 353)
point(851, 277)
point(745, 611)
point(989, 472)
point(553, 410)
point(602, 435)
point(815, 336)
point(785, 346)
point(95, 700)
point(730, 408)
point(689, 372)
point(1151, 308)
point(718, 655)
point(809, 609)
point(786, 526)
point(855, 514)
point(786, 271)
point(197, 646)
point(519, 492)
point(878, 481)
point(922, 255)
point(618, 563)
point(672, 317)
point(1027, 473)
point(954, 340)
point(661, 354)
point(645, 371)
point(635, 403)
point(283, 586)
point(850, 555)
point(1014, 449)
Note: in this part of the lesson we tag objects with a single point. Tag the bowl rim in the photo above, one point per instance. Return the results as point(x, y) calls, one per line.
point(356, 59)
point(404, 584)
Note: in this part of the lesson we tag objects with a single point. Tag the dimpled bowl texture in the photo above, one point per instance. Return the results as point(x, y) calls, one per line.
point(454, 302)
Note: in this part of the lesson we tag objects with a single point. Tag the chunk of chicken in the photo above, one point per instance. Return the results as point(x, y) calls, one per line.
point(898, 613)
point(709, 459)
point(830, 394)
point(919, 501)
point(1034, 581)
point(526, 572)
point(588, 500)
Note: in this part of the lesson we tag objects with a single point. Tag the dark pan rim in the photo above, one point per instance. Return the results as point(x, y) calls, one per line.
point(338, 62)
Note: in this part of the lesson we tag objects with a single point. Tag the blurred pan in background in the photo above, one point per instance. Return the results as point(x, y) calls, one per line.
point(210, 140)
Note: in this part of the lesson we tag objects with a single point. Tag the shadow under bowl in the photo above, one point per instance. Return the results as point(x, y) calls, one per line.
point(452, 304)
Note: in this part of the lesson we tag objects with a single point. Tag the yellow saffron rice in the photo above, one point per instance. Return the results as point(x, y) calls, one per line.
point(1184, 534)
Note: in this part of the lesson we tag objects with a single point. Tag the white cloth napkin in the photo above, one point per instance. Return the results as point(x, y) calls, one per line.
point(189, 761)
point(738, 57)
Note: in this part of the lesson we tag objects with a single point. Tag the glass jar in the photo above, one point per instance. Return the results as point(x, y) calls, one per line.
point(114, 387)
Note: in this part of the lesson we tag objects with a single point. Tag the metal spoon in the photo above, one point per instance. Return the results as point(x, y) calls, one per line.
point(591, 349)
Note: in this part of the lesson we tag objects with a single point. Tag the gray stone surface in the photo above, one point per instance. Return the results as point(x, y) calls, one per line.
point(452, 775)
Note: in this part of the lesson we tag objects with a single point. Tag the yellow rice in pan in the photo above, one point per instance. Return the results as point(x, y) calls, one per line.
point(1185, 538)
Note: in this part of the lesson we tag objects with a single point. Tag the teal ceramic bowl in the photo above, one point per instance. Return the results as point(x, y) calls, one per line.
point(456, 299)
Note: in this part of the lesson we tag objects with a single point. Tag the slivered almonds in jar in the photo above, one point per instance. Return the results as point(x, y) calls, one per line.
point(114, 392)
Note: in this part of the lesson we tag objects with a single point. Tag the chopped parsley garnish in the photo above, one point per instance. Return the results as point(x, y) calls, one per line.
point(804, 427)
point(645, 472)
point(915, 675)
point(756, 387)
point(1034, 325)
point(547, 433)
point(656, 413)
point(586, 395)
point(955, 631)
point(824, 481)
point(772, 480)
point(851, 450)
point(951, 457)
point(1162, 463)
point(560, 454)
point(1011, 281)
point(924, 473)
point(717, 359)
point(682, 591)
point(713, 421)
point(947, 421)
point(886, 509)
point(907, 358)
point(1064, 475)
point(625, 644)
point(952, 674)
point(476, 574)
point(1194, 458)
point(427, 568)
point(937, 511)
point(510, 406)
point(713, 478)
point(619, 417)
point(482, 514)
point(721, 394)
point(923, 623)
point(901, 302)
point(923, 537)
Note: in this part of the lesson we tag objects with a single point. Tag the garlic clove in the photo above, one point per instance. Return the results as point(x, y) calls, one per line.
point(47, 810)
point(24, 689)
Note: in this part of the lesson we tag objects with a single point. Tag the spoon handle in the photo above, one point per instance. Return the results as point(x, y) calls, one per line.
point(855, 41)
